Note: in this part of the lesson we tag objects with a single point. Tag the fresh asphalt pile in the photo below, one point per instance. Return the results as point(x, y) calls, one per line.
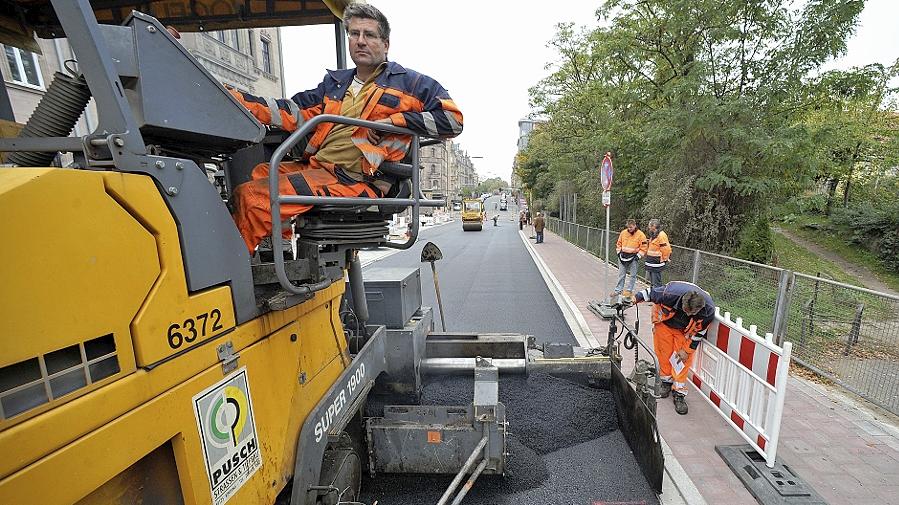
point(564, 444)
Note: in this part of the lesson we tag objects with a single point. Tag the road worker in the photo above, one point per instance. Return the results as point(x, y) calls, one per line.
point(658, 252)
point(631, 247)
point(343, 160)
point(681, 314)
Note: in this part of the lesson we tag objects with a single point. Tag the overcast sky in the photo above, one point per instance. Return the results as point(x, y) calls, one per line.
point(487, 55)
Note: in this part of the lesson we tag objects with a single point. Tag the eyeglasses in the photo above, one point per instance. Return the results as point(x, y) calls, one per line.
point(356, 34)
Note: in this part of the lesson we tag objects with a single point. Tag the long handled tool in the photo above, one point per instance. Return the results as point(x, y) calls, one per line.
point(432, 253)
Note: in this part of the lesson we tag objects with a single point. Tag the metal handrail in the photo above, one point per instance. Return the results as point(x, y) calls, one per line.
point(277, 199)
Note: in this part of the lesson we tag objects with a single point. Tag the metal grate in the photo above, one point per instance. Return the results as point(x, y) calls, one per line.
point(36, 381)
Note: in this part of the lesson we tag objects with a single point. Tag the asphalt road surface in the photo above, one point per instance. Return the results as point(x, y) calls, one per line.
point(564, 443)
point(488, 281)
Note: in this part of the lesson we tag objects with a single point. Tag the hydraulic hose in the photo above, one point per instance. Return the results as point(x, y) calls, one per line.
point(55, 116)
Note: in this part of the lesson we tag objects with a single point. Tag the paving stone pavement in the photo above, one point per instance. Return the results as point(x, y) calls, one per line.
point(844, 447)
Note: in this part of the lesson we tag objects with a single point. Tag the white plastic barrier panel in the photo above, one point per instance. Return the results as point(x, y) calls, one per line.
point(744, 376)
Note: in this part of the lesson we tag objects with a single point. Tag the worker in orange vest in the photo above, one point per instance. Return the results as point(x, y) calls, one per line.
point(681, 315)
point(631, 247)
point(658, 252)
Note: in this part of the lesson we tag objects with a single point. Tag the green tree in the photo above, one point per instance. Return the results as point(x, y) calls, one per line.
point(700, 102)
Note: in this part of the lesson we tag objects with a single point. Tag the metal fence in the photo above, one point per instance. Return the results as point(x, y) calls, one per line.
point(847, 334)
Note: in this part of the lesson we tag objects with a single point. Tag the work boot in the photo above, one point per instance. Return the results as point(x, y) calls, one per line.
point(665, 390)
point(680, 403)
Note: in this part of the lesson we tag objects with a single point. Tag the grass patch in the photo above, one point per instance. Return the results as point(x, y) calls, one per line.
point(838, 243)
point(792, 256)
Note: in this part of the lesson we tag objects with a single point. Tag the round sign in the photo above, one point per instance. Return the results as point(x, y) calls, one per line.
point(606, 172)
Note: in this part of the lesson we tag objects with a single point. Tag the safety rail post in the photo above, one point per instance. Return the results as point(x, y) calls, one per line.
point(276, 199)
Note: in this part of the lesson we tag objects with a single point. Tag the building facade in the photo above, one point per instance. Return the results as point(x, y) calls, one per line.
point(246, 59)
point(525, 128)
point(448, 171)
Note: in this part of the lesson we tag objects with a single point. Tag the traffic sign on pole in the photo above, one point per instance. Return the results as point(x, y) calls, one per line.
point(606, 172)
point(606, 198)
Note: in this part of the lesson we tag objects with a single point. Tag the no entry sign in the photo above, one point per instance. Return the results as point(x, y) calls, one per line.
point(606, 172)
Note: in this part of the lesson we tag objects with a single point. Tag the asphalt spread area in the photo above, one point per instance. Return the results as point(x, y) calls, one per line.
point(564, 441)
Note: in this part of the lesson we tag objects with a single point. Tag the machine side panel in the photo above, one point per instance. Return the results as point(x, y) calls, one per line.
point(170, 320)
point(280, 405)
point(638, 424)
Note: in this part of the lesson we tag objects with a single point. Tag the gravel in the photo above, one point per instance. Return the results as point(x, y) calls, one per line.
point(564, 443)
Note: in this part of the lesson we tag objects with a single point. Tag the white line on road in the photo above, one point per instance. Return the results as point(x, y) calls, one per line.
point(573, 317)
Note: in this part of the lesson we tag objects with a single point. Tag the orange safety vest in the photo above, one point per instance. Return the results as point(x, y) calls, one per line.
point(631, 244)
point(658, 251)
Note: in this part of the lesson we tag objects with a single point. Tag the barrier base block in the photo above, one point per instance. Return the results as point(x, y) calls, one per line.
point(770, 486)
point(601, 309)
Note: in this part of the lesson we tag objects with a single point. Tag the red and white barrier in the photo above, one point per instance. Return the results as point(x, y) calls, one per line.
point(744, 376)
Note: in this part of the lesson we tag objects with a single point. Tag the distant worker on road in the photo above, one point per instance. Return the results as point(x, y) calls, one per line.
point(342, 160)
point(631, 247)
point(495, 218)
point(539, 225)
point(681, 314)
point(521, 220)
point(658, 252)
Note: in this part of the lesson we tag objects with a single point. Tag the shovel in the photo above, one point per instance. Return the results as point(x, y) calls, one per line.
point(431, 253)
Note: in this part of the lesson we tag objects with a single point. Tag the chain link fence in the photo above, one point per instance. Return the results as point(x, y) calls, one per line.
point(847, 334)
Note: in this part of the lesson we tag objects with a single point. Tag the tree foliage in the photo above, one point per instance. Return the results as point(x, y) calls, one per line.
point(709, 107)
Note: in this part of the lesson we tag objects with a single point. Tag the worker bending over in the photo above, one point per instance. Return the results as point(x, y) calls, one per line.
point(343, 160)
point(681, 314)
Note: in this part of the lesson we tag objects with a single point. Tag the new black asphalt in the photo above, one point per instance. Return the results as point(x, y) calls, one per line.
point(564, 443)
point(488, 281)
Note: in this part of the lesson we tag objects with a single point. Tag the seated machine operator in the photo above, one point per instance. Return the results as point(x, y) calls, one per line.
point(343, 160)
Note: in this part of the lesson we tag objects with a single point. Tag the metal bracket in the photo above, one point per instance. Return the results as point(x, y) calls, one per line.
point(227, 356)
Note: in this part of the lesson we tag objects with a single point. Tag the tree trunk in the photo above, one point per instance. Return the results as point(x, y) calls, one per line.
point(831, 192)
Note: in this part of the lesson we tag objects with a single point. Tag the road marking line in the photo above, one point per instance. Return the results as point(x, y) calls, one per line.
point(573, 317)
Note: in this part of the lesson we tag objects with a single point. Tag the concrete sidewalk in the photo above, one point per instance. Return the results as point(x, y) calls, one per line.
point(843, 447)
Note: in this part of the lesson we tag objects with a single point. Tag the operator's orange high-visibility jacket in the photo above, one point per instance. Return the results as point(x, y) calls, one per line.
point(658, 251)
point(410, 99)
point(630, 244)
point(667, 309)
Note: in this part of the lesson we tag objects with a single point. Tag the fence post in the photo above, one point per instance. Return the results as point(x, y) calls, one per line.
point(852, 338)
point(696, 259)
point(780, 306)
point(785, 295)
point(577, 236)
point(588, 240)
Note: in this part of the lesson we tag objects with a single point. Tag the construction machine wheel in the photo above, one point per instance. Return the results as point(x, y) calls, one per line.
point(341, 472)
point(471, 226)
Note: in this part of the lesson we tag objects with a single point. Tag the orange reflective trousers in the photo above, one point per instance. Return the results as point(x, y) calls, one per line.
point(667, 341)
point(253, 210)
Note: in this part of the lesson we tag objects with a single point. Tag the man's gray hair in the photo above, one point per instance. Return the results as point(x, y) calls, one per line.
point(653, 223)
point(692, 302)
point(366, 11)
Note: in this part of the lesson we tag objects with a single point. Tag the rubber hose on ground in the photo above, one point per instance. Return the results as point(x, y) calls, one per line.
point(55, 116)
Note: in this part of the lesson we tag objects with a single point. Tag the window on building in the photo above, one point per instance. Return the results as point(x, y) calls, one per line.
point(250, 34)
point(24, 67)
point(235, 39)
point(267, 56)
